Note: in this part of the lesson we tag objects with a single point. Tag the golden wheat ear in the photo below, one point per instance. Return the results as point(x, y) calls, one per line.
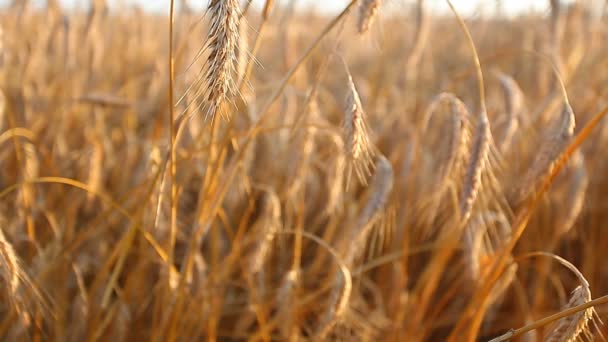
point(514, 106)
point(216, 84)
point(358, 147)
point(555, 139)
point(380, 190)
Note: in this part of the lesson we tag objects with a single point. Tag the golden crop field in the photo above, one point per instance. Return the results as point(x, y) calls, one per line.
point(272, 173)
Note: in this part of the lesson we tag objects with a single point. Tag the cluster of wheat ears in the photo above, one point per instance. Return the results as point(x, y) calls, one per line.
point(268, 173)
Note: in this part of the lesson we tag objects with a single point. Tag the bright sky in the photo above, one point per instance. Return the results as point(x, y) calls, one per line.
point(465, 6)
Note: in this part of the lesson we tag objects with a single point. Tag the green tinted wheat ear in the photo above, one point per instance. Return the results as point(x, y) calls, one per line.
point(368, 11)
point(222, 42)
point(358, 147)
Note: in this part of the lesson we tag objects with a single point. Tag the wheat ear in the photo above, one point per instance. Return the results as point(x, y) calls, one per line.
point(514, 102)
point(10, 270)
point(477, 163)
point(575, 197)
point(358, 147)
point(269, 225)
point(457, 140)
point(568, 328)
point(571, 328)
point(380, 188)
point(554, 142)
point(222, 42)
point(483, 135)
point(368, 11)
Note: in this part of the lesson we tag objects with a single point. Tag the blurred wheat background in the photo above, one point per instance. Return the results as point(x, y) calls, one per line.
point(290, 175)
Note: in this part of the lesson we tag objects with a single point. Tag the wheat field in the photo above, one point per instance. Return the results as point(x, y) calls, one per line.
point(271, 173)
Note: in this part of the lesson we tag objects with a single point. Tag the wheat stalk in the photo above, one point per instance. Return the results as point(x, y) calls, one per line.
point(335, 178)
point(337, 305)
point(95, 176)
point(285, 298)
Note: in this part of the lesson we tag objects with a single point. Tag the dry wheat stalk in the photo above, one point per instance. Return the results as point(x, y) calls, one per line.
point(96, 174)
point(285, 298)
point(304, 146)
point(481, 239)
point(368, 11)
point(358, 147)
point(335, 178)
point(503, 283)
point(336, 307)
